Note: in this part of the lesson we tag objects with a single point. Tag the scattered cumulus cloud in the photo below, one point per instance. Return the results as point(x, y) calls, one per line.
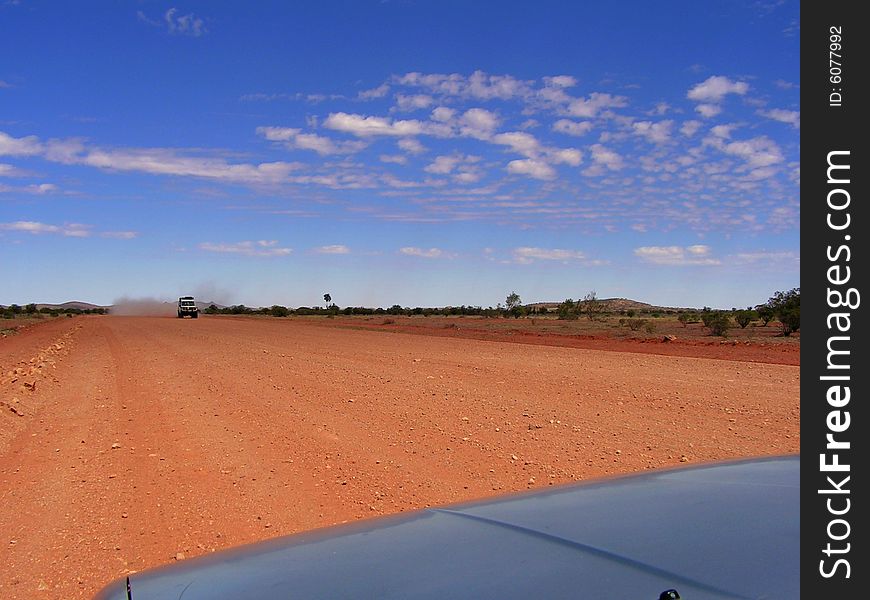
point(690, 128)
point(296, 139)
point(408, 103)
point(531, 167)
point(527, 255)
point(708, 110)
point(247, 248)
point(333, 249)
point(33, 188)
point(411, 146)
point(790, 117)
point(714, 89)
point(23, 146)
point(424, 253)
point(679, 256)
point(75, 230)
point(374, 93)
point(656, 133)
point(370, 126)
point(574, 128)
point(590, 106)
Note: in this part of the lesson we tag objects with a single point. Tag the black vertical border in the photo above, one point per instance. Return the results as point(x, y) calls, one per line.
point(825, 128)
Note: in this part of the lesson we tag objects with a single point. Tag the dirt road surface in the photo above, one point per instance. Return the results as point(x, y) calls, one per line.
point(130, 442)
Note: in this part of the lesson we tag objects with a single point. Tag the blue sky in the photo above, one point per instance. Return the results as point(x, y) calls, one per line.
point(422, 153)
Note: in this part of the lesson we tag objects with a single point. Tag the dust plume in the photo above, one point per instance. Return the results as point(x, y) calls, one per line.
point(142, 307)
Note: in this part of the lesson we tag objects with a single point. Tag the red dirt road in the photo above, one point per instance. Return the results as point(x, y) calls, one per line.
point(139, 441)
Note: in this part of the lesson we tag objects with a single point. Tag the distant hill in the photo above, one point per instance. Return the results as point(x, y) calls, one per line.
point(73, 304)
point(618, 304)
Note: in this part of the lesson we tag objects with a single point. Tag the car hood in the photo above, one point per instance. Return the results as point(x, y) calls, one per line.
point(721, 530)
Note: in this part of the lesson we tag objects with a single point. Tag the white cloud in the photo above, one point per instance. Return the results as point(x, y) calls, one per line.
point(791, 117)
point(520, 142)
point(423, 253)
point(534, 168)
point(443, 165)
point(333, 249)
point(24, 146)
point(590, 107)
point(656, 133)
point(378, 92)
point(397, 159)
point(120, 235)
point(715, 88)
point(478, 123)
point(37, 228)
point(34, 188)
point(569, 127)
point(184, 24)
point(362, 126)
point(413, 102)
point(560, 81)
point(247, 248)
point(723, 131)
point(766, 257)
point(757, 152)
point(486, 87)
point(411, 146)
point(10, 171)
point(295, 139)
point(443, 114)
point(527, 255)
point(708, 110)
point(679, 256)
point(161, 161)
point(690, 128)
point(478, 85)
point(606, 158)
point(567, 156)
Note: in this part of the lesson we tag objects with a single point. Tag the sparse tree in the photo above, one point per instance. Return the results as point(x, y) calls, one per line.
point(327, 298)
point(786, 306)
point(568, 310)
point(719, 323)
point(743, 318)
point(593, 306)
point(765, 313)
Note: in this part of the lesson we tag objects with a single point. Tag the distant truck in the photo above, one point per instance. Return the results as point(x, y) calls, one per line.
point(187, 307)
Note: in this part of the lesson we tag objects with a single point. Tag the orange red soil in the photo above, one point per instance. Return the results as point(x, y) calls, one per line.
point(130, 442)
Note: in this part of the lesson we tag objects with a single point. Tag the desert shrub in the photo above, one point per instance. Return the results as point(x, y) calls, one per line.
point(636, 324)
point(743, 318)
point(786, 306)
point(650, 327)
point(719, 324)
point(623, 321)
point(765, 313)
point(279, 311)
point(568, 310)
